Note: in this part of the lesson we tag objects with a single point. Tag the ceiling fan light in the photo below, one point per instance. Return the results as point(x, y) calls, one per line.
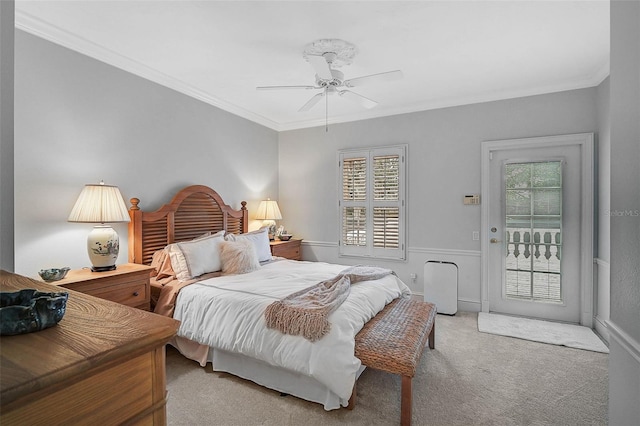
point(325, 55)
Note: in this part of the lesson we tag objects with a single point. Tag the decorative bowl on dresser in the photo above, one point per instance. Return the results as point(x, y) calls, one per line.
point(29, 310)
point(103, 363)
point(53, 274)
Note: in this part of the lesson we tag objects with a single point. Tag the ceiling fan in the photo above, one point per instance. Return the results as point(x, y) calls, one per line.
point(325, 55)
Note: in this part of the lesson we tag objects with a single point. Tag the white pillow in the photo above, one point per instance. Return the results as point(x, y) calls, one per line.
point(190, 259)
point(260, 240)
point(238, 257)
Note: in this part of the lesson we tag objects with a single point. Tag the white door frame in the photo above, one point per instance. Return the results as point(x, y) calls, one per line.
point(585, 141)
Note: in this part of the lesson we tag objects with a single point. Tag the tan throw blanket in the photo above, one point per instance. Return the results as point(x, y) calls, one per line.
point(305, 313)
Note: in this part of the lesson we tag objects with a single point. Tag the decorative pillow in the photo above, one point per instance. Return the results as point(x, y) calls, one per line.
point(260, 240)
point(190, 259)
point(238, 257)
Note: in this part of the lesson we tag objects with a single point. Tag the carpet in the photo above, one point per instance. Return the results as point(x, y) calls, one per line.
point(572, 336)
point(470, 378)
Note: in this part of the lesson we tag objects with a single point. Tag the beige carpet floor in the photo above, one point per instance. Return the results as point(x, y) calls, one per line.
point(471, 378)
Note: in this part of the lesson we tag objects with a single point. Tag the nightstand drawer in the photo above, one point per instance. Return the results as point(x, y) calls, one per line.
point(128, 284)
point(131, 294)
point(287, 249)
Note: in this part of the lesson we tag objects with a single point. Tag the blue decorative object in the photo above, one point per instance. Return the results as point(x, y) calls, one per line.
point(53, 274)
point(30, 310)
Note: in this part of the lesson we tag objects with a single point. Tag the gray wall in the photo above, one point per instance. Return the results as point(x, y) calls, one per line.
point(6, 134)
point(443, 166)
point(624, 327)
point(78, 120)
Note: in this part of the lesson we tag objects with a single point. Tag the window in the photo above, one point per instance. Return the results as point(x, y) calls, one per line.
point(372, 205)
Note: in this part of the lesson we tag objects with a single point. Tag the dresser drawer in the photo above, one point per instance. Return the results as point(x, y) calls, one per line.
point(100, 394)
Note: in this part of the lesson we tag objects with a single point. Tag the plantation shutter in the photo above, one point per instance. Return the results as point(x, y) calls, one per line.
point(353, 204)
point(372, 202)
point(354, 179)
point(386, 187)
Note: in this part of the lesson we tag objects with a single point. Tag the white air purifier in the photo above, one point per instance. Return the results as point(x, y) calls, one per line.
point(441, 286)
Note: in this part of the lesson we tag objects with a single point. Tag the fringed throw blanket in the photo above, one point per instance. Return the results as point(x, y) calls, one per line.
point(306, 312)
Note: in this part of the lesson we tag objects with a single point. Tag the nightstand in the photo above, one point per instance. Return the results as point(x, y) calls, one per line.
point(128, 284)
point(288, 249)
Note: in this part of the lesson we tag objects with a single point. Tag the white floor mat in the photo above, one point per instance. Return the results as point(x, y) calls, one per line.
point(573, 336)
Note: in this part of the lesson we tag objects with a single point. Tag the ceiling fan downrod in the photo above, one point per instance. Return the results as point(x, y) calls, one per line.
point(326, 115)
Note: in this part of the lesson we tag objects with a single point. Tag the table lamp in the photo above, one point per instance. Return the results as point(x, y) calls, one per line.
point(100, 203)
point(269, 212)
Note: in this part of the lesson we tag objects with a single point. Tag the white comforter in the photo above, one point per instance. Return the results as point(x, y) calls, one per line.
point(228, 313)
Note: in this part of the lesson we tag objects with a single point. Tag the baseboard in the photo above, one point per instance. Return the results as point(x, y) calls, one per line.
point(628, 343)
point(466, 305)
point(469, 305)
point(624, 380)
point(601, 328)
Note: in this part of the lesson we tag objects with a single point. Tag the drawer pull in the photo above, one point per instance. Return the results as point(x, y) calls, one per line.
point(135, 293)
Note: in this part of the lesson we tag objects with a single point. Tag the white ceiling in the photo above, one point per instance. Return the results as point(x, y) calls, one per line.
point(450, 52)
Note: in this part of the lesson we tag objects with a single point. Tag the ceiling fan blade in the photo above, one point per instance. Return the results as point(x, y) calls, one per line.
point(383, 76)
point(320, 64)
point(365, 102)
point(311, 102)
point(286, 87)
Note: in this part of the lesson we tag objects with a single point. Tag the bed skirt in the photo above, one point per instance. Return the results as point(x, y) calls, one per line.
point(266, 375)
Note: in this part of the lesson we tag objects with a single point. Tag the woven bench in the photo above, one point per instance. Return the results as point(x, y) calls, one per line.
point(393, 341)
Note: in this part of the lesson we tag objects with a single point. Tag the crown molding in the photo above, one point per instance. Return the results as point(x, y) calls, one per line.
point(590, 81)
point(57, 35)
point(54, 34)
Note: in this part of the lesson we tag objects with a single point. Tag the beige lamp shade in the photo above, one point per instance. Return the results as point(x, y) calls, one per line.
point(268, 210)
point(100, 203)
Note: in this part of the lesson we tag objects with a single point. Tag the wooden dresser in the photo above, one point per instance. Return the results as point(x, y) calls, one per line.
point(104, 363)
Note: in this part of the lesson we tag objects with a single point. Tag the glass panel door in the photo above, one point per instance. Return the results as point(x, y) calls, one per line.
point(533, 237)
point(537, 240)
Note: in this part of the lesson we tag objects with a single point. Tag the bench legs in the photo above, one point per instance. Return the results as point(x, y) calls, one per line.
point(406, 399)
point(432, 336)
point(407, 389)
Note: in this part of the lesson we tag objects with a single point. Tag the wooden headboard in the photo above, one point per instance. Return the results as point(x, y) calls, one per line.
point(193, 211)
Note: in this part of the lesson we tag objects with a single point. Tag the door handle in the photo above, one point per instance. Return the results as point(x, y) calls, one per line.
point(494, 240)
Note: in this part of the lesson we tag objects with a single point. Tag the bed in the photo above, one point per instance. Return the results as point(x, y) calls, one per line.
point(222, 312)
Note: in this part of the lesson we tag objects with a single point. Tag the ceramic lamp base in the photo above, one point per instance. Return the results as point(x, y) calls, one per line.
point(271, 224)
point(103, 246)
